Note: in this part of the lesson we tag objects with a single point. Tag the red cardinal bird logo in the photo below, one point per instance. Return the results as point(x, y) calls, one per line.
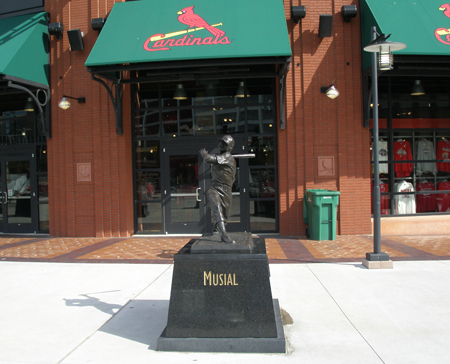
point(446, 9)
point(443, 34)
point(188, 17)
point(195, 22)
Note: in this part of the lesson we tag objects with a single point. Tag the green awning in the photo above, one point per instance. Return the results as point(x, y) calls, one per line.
point(423, 25)
point(154, 31)
point(24, 48)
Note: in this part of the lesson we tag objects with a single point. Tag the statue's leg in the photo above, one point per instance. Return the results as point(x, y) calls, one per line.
point(224, 235)
point(215, 205)
point(215, 228)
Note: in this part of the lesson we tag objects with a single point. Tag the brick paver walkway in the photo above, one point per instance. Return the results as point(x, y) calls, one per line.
point(346, 248)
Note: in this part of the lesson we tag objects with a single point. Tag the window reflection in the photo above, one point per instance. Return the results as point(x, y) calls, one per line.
point(147, 123)
point(18, 127)
point(262, 216)
point(149, 217)
point(147, 154)
point(262, 182)
point(148, 186)
point(263, 147)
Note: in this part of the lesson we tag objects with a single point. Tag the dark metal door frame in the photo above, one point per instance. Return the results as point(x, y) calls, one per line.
point(192, 147)
point(8, 226)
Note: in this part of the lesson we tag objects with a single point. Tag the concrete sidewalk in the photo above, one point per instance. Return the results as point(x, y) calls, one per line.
point(113, 313)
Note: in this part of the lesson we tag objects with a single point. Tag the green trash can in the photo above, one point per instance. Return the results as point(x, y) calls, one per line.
point(319, 212)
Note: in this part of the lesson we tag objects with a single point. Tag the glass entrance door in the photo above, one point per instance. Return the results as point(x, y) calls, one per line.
point(18, 198)
point(183, 192)
point(186, 178)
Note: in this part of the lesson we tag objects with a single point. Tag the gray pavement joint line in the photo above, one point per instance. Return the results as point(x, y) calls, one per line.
point(348, 319)
point(104, 323)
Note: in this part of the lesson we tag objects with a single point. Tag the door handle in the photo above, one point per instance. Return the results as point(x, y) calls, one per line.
point(197, 194)
point(5, 197)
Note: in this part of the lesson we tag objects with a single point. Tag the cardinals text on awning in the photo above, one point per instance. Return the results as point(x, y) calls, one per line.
point(196, 23)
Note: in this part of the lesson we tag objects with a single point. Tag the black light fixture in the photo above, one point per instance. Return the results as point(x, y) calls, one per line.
point(349, 12)
point(65, 104)
point(325, 24)
point(210, 90)
point(330, 91)
point(417, 89)
point(180, 94)
point(242, 90)
point(378, 45)
point(75, 39)
point(298, 13)
point(29, 105)
point(98, 23)
point(384, 48)
point(56, 29)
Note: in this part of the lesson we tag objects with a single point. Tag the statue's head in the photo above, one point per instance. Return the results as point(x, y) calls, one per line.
point(226, 143)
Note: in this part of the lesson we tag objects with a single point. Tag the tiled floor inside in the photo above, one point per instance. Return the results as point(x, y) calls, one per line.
point(146, 249)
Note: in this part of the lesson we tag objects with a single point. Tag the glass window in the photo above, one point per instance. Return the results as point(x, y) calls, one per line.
point(147, 123)
point(44, 224)
point(149, 217)
point(17, 127)
point(263, 148)
point(210, 108)
point(260, 119)
point(148, 186)
point(147, 154)
point(43, 188)
point(262, 182)
point(262, 216)
point(42, 158)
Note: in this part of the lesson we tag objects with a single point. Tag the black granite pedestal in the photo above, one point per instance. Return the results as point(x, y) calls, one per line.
point(221, 300)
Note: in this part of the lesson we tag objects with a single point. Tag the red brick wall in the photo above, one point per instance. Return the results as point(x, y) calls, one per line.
point(315, 126)
point(318, 126)
point(86, 133)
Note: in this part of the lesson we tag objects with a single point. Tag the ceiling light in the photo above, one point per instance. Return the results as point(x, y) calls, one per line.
point(242, 90)
point(29, 106)
point(180, 94)
point(417, 89)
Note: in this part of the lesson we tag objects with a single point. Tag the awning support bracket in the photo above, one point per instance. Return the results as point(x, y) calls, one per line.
point(43, 119)
point(282, 74)
point(116, 101)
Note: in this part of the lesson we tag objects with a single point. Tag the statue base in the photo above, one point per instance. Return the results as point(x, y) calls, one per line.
point(221, 300)
point(212, 243)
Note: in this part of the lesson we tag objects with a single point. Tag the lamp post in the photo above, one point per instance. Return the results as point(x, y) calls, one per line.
point(382, 59)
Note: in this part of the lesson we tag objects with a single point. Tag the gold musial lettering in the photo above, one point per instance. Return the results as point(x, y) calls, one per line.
point(222, 279)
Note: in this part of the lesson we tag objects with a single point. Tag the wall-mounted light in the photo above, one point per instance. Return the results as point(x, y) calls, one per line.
point(65, 104)
point(348, 12)
point(56, 29)
point(98, 23)
point(242, 90)
point(330, 91)
point(29, 105)
point(325, 25)
point(298, 13)
point(75, 39)
point(180, 94)
point(417, 89)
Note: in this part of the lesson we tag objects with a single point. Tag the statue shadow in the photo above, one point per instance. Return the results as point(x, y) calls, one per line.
point(90, 301)
point(141, 321)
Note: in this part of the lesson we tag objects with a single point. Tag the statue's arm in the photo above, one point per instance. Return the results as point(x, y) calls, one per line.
point(208, 158)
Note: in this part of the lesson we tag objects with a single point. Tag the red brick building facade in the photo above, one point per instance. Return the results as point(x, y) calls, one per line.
point(315, 127)
point(123, 159)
